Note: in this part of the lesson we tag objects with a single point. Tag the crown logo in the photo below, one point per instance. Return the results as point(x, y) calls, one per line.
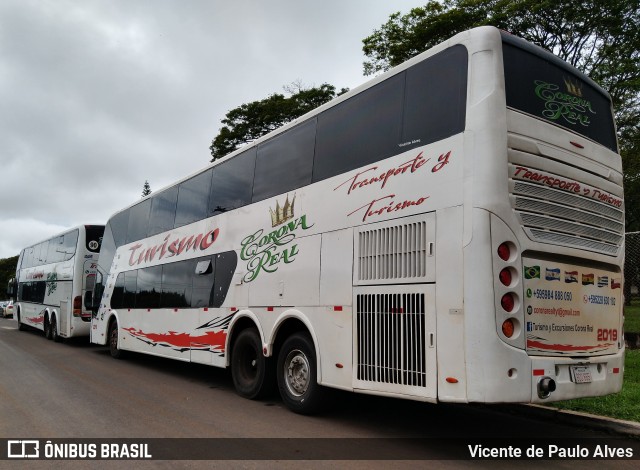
point(573, 87)
point(282, 213)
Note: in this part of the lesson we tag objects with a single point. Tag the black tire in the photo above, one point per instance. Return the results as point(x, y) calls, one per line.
point(252, 372)
point(47, 327)
point(21, 326)
point(297, 374)
point(53, 324)
point(116, 352)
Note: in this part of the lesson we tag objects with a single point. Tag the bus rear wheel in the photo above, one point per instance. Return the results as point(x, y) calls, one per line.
point(297, 375)
point(53, 326)
point(251, 372)
point(47, 327)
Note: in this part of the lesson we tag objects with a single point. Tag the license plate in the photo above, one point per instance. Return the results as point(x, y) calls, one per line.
point(580, 374)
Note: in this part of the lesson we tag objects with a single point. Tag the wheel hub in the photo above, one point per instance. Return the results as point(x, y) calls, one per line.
point(297, 373)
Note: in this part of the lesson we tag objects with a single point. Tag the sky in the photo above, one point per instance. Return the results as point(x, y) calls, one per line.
point(97, 96)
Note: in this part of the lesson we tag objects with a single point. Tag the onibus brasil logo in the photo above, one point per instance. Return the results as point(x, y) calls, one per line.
point(266, 252)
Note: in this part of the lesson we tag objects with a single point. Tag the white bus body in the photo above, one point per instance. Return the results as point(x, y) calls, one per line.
point(53, 277)
point(432, 238)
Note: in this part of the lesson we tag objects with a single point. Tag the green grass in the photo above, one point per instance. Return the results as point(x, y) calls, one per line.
point(624, 405)
point(632, 317)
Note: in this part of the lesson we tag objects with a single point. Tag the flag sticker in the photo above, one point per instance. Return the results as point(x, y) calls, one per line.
point(570, 276)
point(552, 274)
point(603, 281)
point(588, 279)
point(532, 272)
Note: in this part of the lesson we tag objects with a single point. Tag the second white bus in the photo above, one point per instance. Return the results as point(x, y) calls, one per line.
point(52, 279)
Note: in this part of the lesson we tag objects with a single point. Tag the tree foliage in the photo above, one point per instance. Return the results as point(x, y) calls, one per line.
point(7, 271)
point(146, 189)
point(599, 37)
point(251, 121)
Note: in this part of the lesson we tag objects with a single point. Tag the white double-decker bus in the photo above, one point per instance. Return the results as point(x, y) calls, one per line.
point(52, 278)
point(449, 231)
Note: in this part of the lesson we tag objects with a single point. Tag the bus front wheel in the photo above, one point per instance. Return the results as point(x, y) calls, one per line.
point(115, 351)
point(297, 375)
point(21, 326)
point(250, 370)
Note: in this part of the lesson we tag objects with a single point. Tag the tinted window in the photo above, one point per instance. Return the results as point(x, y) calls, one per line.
point(138, 221)
point(176, 284)
point(232, 183)
point(130, 289)
point(193, 199)
point(184, 284)
point(119, 224)
point(117, 297)
point(32, 291)
point(285, 162)
point(149, 292)
point(361, 130)
point(163, 211)
point(435, 98)
point(548, 89)
point(107, 250)
point(226, 264)
point(202, 277)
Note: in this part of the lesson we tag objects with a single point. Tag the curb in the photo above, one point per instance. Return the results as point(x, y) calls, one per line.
point(585, 420)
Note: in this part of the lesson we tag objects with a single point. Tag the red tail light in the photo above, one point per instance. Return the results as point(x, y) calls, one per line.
point(508, 302)
point(77, 306)
point(506, 277)
point(508, 328)
point(504, 252)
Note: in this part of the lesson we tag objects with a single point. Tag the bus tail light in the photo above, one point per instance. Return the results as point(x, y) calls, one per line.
point(506, 277)
point(508, 327)
point(508, 302)
point(504, 252)
point(77, 306)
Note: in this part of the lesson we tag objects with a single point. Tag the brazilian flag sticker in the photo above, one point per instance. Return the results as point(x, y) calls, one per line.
point(532, 272)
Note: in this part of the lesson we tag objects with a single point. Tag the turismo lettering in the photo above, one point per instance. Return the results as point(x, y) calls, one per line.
point(375, 208)
point(169, 248)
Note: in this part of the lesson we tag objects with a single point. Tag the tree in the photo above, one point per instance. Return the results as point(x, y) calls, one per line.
point(7, 271)
point(251, 121)
point(146, 189)
point(599, 37)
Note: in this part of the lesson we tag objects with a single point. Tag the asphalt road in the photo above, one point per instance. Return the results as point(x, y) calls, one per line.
point(76, 391)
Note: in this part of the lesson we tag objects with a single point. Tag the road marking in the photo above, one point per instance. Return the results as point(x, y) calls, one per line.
point(9, 328)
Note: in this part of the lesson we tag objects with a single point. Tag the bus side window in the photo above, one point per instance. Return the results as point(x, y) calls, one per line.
point(138, 221)
point(361, 130)
point(285, 162)
point(202, 278)
point(226, 264)
point(176, 284)
point(232, 183)
point(163, 211)
point(193, 199)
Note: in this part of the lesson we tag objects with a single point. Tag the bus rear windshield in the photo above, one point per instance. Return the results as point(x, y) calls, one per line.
point(548, 90)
